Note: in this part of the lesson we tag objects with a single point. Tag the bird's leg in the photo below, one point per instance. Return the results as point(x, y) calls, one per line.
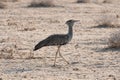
point(63, 57)
point(56, 56)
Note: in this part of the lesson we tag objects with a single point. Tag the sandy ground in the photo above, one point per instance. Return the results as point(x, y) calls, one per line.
point(21, 28)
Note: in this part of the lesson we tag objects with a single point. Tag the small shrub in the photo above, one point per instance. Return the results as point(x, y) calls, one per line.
point(90, 1)
point(28, 29)
point(9, 0)
point(2, 6)
point(83, 1)
point(107, 22)
point(97, 1)
point(1, 79)
point(111, 1)
point(8, 51)
point(105, 25)
point(114, 40)
point(15, 0)
point(42, 3)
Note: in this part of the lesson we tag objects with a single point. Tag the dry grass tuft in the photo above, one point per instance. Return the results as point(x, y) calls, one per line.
point(42, 3)
point(83, 1)
point(108, 22)
point(7, 52)
point(2, 6)
point(28, 29)
point(97, 1)
point(114, 40)
point(111, 1)
point(1, 79)
point(15, 0)
point(9, 0)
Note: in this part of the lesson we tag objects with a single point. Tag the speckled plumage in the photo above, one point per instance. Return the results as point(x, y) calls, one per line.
point(57, 39)
point(53, 40)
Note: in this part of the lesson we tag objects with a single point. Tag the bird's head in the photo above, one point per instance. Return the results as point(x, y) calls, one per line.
point(71, 22)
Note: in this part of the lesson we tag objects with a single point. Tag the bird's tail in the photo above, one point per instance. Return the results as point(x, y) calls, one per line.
point(39, 45)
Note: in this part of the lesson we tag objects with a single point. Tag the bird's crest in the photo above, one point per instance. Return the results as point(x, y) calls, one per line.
point(71, 21)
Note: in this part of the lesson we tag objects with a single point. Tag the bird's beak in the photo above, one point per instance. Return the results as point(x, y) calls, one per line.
point(76, 20)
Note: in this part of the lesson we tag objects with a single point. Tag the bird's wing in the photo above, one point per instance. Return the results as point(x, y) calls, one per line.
point(56, 39)
point(40, 44)
point(52, 40)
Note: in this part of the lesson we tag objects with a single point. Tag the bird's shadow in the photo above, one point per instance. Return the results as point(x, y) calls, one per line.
point(61, 66)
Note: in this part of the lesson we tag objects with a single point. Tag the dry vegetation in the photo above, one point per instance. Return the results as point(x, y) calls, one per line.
point(108, 22)
point(9, 0)
point(42, 3)
point(97, 1)
point(114, 40)
point(83, 1)
point(111, 1)
point(2, 5)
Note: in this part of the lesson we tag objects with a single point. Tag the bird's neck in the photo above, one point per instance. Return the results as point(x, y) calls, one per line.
point(70, 30)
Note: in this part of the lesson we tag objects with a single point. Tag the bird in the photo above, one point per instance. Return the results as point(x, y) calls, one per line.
point(58, 40)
